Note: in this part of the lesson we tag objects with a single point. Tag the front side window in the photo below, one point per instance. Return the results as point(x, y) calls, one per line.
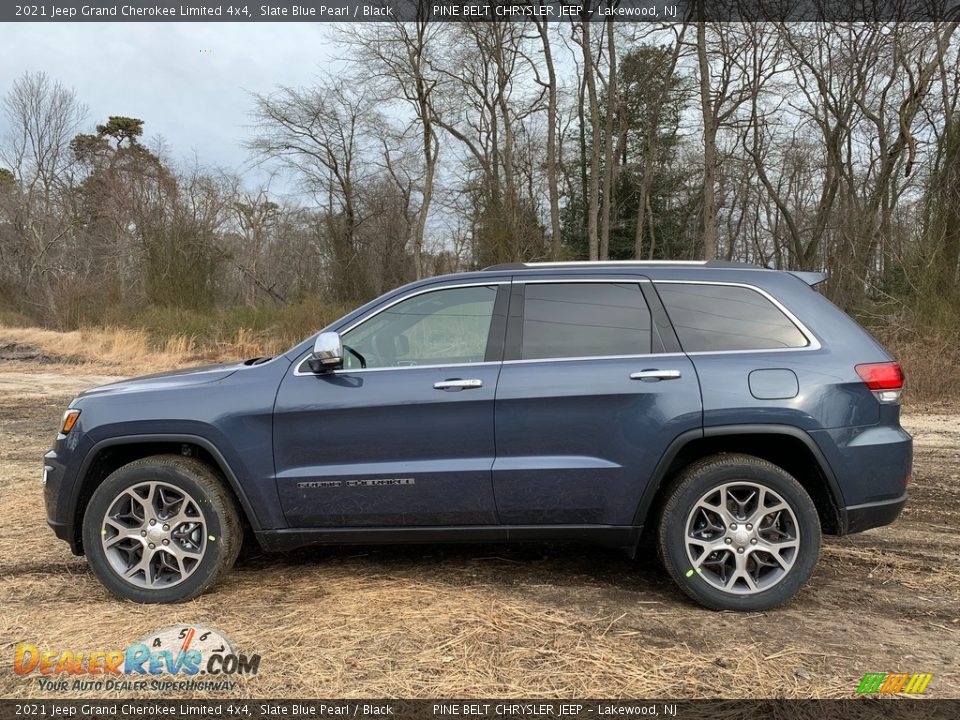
point(727, 317)
point(584, 320)
point(443, 327)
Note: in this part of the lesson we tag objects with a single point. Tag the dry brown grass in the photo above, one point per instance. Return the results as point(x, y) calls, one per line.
point(526, 621)
point(123, 348)
point(930, 359)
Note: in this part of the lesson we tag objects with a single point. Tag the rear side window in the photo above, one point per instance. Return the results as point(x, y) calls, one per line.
point(727, 317)
point(584, 320)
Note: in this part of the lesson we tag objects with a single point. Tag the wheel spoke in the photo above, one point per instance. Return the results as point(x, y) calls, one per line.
point(123, 533)
point(187, 512)
point(742, 501)
point(774, 550)
point(777, 546)
point(142, 566)
point(180, 552)
point(762, 513)
point(708, 547)
point(741, 573)
point(720, 510)
point(145, 502)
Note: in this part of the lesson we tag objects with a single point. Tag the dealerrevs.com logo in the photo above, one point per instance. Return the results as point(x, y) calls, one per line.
point(182, 658)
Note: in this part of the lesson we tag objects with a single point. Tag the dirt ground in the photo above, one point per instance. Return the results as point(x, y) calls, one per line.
point(495, 621)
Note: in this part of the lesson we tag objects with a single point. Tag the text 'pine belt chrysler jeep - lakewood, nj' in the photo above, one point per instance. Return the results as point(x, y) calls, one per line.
point(730, 409)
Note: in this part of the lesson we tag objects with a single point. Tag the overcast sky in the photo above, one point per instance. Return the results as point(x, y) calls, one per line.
point(189, 82)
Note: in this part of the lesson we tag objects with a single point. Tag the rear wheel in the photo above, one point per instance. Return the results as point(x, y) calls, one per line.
point(739, 533)
point(162, 529)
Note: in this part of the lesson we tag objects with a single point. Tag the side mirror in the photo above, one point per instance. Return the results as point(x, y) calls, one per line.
point(327, 353)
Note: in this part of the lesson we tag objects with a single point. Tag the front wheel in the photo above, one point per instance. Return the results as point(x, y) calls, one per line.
point(161, 530)
point(739, 533)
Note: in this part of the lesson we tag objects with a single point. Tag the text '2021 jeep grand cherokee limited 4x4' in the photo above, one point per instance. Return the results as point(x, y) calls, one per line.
point(730, 408)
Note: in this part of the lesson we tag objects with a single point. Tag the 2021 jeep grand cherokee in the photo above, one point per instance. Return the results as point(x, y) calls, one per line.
point(731, 408)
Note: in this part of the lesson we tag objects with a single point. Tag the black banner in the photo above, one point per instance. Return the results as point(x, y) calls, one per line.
point(853, 709)
point(477, 10)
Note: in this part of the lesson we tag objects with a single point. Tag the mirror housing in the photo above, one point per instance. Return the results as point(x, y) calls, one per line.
point(327, 353)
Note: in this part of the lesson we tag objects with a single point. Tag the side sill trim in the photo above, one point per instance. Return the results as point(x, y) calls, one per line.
point(625, 536)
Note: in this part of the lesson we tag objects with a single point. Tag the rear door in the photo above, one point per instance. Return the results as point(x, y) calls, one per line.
point(590, 395)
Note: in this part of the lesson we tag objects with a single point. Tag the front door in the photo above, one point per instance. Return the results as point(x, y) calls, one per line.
point(404, 433)
point(588, 400)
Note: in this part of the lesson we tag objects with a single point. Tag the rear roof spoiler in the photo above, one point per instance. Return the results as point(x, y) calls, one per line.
point(810, 278)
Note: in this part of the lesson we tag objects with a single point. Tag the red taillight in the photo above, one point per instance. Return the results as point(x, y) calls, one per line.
point(881, 376)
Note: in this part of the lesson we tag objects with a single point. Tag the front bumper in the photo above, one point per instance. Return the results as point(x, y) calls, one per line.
point(874, 514)
point(56, 499)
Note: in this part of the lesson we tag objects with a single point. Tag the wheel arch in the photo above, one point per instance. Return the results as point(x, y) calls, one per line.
point(112, 453)
point(785, 446)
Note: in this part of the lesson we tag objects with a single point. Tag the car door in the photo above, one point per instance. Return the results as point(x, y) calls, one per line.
point(403, 434)
point(589, 397)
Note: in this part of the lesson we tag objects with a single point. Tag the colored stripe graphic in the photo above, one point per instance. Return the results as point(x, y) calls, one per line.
point(894, 682)
point(913, 683)
point(871, 682)
point(918, 683)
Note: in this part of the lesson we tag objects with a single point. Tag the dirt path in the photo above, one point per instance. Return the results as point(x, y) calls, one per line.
point(37, 385)
point(502, 621)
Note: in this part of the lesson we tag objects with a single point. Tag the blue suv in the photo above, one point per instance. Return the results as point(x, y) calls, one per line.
point(730, 410)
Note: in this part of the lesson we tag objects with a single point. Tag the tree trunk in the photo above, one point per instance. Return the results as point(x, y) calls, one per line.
point(709, 149)
point(611, 159)
point(593, 237)
point(553, 189)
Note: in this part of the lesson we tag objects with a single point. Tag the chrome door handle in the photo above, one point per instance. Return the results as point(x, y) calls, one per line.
point(654, 375)
point(457, 384)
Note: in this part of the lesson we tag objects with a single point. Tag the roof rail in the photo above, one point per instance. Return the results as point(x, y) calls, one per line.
point(619, 263)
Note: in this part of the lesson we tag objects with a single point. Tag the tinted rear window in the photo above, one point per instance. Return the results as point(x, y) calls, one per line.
point(727, 317)
point(584, 320)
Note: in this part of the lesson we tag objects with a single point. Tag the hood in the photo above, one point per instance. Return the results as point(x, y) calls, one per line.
point(168, 380)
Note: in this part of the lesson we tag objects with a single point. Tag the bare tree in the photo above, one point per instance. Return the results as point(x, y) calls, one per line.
point(651, 141)
point(42, 117)
point(723, 50)
point(553, 181)
point(398, 55)
point(590, 82)
point(315, 132)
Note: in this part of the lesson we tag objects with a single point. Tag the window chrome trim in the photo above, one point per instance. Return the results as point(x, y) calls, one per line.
point(593, 357)
point(298, 371)
point(813, 343)
point(351, 371)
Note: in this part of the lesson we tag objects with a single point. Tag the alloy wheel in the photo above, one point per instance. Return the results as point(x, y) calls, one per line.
point(742, 537)
point(154, 535)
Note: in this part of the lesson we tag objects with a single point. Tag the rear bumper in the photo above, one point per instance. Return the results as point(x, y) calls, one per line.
point(858, 518)
point(872, 466)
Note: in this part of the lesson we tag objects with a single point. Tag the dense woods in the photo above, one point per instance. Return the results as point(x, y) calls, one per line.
point(815, 146)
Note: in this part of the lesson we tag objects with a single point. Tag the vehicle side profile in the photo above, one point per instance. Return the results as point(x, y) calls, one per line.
point(730, 410)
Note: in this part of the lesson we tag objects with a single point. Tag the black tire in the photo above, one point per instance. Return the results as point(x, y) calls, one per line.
point(703, 477)
point(224, 531)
